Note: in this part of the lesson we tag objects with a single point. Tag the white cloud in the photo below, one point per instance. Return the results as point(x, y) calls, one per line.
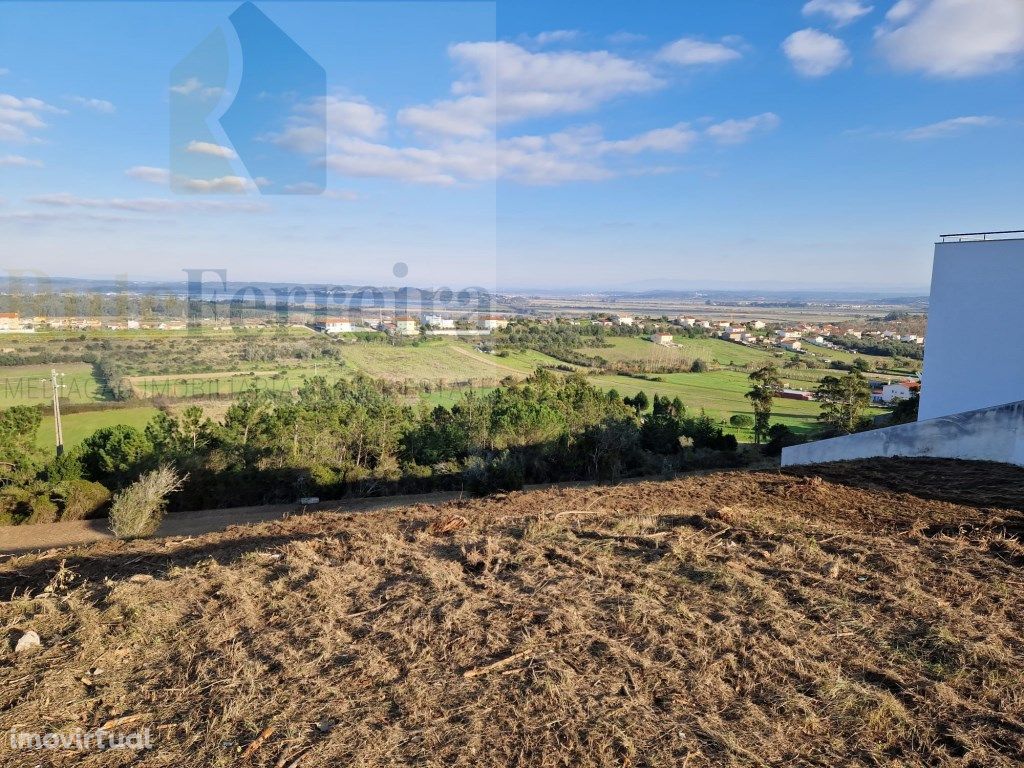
point(506, 83)
point(739, 131)
point(17, 161)
point(842, 12)
point(342, 117)
point(194, 86)
point(149, 174)
point(147, 204)
point(953, 38)
point(948, 128)
point(690, 52)
point(233, 185)
point(101, 106)
point(556, 36)
point(206, 148)
point(20, 117)
point(815, 54)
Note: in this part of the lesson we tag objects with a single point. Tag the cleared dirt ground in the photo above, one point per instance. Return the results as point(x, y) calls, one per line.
point(859, 614)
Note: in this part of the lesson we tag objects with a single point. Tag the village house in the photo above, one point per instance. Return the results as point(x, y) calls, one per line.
point(796, 394)
point(10, 321)
point(661, 338)
point(624, 320)
point(406, 326)
point(333, 325)
point(792, 345)
point(783, 334)
point(758, 325)
point(494, 322)
point(436, 321)
point(902, 390)
point(686, 322)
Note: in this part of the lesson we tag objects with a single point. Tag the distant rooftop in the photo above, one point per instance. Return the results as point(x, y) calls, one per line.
point(959, 237)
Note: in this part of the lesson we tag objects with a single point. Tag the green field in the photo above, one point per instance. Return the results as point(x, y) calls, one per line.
point(720, 394)
point(436, 361)
point(222, 383)
point(78, 426)
point(626, 349)
point(30, 384)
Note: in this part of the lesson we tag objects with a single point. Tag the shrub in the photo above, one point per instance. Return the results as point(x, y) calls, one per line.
point(741, 420)
point(699, 366)
point(139, 508)
point(83, 499)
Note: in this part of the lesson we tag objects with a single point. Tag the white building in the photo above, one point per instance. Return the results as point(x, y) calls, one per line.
point(686, 322)
point(792, 345)
point(492, 322)
point(334, 325)
point(758, 325)
point(624, 320)
point(893, 392)
point(406, 326)
point(661, 338)
point(10, 321)
point(436, 321)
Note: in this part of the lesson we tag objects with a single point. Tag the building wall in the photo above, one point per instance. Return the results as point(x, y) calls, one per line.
point(989, 434)
point(977, 287)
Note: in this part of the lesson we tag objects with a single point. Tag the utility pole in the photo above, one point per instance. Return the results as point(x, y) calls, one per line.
point(58, 428)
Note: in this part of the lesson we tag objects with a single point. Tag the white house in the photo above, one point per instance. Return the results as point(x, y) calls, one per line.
point(792, 345)
point(436, 321)
point(661, 338)
point(686, 322)
point(624, 320)
point(406, 326)
point(900, 391)
point(10, 321)
point(758, 325)
point(492, 322)
point(788, 334)
point(334, 325)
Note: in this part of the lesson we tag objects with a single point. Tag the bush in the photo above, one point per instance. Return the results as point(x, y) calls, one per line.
point(139, 508)
point(83, 499)
point(741, 421)
point(699, 366)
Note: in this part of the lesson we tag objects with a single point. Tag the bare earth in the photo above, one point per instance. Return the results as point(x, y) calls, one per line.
point(861, 614)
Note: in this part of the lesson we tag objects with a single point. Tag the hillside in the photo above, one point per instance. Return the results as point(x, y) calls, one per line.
point(860, 614)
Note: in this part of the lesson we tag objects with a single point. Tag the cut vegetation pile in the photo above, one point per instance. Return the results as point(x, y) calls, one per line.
point(739, 619)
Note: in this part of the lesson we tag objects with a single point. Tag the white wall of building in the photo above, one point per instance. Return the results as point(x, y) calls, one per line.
point(977, 295)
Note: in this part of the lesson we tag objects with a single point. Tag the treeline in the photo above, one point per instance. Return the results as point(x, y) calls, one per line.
point(358, 437)
point(880, 347)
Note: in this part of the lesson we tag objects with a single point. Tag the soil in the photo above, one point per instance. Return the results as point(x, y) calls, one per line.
point(863, 614)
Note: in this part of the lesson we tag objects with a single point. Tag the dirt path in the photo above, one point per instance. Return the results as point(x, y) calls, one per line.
point(16, 539)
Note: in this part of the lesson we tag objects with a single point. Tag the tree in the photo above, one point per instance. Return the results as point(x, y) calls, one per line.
point(843, 400)
point(115, 455)
point(765, 384)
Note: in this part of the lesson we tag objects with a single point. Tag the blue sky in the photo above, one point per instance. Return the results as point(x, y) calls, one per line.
point(524, 144)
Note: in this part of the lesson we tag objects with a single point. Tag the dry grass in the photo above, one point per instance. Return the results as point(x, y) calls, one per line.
point(729, 619)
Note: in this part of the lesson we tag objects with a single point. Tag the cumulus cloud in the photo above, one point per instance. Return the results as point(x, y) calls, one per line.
point(739, 131)
point(232, 185)
point(949, 128)
point(504, 83)
point(322, 122)
point(953, 38)
point(214, 150)
point(21, 117)
point(102, 106)
point(841, 12)
point(689, 52)
point(814, 53)
point(17, 161)
point(193, 86)
point(149, 174)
